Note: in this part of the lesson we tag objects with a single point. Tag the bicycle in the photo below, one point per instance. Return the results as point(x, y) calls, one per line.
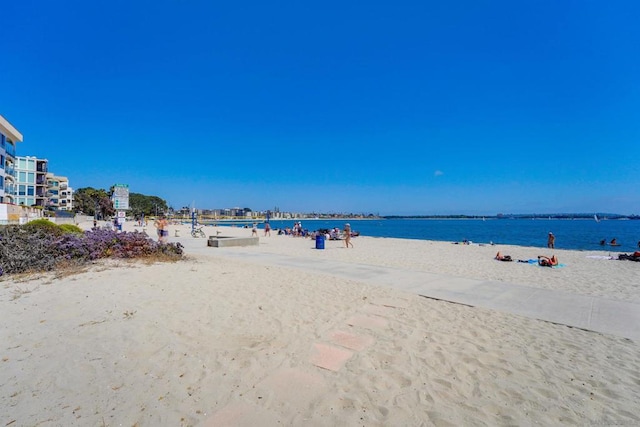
point(197, 232)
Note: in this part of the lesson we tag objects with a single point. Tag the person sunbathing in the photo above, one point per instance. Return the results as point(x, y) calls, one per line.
point(633, 257)
point(545, 261)
point(501, 257)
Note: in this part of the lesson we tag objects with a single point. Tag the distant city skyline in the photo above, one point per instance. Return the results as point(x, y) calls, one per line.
point(410, 108)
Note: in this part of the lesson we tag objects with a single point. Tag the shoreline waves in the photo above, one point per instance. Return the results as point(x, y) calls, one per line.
point(218, 340)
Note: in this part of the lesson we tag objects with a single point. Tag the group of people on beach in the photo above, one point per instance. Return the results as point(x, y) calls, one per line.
point(267, 229)
point(543, 260)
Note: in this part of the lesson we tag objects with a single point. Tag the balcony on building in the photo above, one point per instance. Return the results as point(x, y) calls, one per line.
point(10, 137)
point(41, 180)
point(41, 166)
point(10, 149)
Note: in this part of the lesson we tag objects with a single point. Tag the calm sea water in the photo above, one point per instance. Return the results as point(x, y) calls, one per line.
point(570, 234)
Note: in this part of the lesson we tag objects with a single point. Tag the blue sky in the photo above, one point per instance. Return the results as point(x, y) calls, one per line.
point(406, 107)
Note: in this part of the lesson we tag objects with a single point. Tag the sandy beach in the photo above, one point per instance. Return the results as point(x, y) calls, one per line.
point(219, 340)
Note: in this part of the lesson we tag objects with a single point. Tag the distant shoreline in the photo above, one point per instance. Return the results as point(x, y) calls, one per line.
point(602, 217)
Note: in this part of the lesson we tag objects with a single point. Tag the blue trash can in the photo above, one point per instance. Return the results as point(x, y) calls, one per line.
point(319, 241)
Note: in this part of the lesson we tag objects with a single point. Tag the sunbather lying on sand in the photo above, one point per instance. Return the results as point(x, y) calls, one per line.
point(545, 261)
point(501, 257)
point(633, 257)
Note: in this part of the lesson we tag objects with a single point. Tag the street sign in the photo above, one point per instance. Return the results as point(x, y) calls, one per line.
point(120, 196)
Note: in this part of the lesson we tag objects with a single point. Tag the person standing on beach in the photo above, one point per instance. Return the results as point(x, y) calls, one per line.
point(163, 228)
point(267, 229)
point(254, 230)
point(551, 241)
point(347, 235)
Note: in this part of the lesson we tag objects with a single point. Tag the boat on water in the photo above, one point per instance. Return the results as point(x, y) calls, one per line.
point(596, 217)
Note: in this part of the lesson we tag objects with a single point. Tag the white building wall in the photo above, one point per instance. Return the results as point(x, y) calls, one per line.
point(9, 136)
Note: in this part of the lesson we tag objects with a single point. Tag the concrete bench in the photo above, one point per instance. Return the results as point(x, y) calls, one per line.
point(227, 241)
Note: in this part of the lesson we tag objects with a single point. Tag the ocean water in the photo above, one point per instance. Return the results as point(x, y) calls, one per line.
point(570, 234)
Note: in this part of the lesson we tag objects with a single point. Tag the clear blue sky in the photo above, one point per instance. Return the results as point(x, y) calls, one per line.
point(404, 107)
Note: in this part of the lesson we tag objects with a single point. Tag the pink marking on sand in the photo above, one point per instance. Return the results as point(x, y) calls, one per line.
point(379, 310)
point(238, 414)
point(294, 386)
point(351, 341)
point(329, 357)
point(368, 322)
point(389, 302)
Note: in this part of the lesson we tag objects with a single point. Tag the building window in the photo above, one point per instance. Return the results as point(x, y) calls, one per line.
point(31, 165)
point(22, 190)
point(22, 177)
point(31, 177)
point(31, 190)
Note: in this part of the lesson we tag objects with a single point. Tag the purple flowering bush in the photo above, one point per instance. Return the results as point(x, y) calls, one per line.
point(24, 249)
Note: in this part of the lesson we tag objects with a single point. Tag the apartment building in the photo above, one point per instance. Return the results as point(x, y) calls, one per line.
point(59, 193)
point(30, 181)
point(9, 136)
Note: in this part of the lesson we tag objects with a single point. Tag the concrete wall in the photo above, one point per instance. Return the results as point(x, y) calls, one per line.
point(17, 214)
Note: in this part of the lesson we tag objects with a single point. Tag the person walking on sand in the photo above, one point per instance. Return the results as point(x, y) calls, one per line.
point(163, 228)
point(267, 229)
point(347, 235)
point(254, 230)
point(551, 241)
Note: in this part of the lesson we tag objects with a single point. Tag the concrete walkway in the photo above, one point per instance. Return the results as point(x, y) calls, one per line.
point(580, 311)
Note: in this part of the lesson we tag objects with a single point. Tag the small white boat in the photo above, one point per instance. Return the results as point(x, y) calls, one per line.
point(596, 217)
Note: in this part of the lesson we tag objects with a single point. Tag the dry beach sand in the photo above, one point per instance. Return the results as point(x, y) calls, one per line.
point(217, 340)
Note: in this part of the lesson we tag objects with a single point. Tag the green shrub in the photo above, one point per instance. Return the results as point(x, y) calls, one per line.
point(43, 226)
point(70, 228)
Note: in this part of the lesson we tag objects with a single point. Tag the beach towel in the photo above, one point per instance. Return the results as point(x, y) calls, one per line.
point(553, 266)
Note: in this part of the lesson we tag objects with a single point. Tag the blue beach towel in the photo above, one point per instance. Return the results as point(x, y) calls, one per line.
point(545, 266)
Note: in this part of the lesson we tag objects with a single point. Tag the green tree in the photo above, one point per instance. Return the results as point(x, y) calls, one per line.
point(140, 204)
point(91, 201)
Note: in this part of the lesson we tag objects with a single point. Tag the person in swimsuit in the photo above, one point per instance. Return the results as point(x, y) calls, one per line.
point(551, 241)
point(501, 257)
point(545, 261)
point(347, 235)
point(163, 228)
